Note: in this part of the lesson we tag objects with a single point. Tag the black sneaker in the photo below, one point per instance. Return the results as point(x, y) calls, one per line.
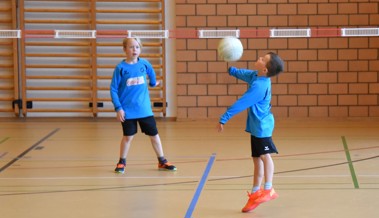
point(166, 166)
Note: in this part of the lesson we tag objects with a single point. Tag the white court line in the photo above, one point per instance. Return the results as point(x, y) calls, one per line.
point(95, 158)
point(98, 177)
point(172, 177)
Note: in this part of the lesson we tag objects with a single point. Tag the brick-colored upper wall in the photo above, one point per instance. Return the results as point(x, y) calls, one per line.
point(325, 76)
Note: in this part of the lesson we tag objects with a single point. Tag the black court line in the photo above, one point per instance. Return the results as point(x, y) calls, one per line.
point(4, 140)
point(27, 150)
point(302, 169)
point(174, 183)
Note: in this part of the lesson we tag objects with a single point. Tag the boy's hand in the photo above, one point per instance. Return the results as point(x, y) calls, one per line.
point(232, 69)
point(121, 115)
point(220, 127)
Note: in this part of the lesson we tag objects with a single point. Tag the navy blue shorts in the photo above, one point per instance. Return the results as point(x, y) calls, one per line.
point(261, 146)
point(147, 125)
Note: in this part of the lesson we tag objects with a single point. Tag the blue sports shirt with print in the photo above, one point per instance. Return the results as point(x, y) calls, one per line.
point(129, 88)
point(260, 120)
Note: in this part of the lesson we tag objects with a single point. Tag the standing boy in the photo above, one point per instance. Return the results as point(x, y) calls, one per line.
point(260, 123)
point(131, 100)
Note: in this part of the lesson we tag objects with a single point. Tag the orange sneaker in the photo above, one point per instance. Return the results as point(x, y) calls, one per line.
point(166, 166)
point(252, 202)
point(267, 195)
point(120, 168)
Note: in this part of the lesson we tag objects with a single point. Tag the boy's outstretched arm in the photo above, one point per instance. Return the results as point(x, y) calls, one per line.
point(243, 74)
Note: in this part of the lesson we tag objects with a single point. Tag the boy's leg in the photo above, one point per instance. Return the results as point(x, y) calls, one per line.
point(129, 129)
point(124, 149)
point(268, 192)
point(268, 167)
point(256, 190)
point(125, 145)
point(149, 127)
point(263, 167)
point(258, 171)
point(157, 145)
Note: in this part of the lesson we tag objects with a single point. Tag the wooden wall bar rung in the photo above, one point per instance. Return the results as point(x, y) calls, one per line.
point(5, 21)
point(39, 31)
point(9, 99)
point(60, 99)
point(8, 43)
point(104, 77)
point(157, 99)
point(103, 99)
point(129, 11)
point(6, 110)
point(103, 88)
point(57, 21)
point(5, 54)
point(6, 76)
point(51, 88)
point(113, 66)
point(53, 110)
point(133, 22)
point(128, 0)
point(58, 10)
point(6, 87)
point(5, 9)
point(60, 77)
point(157, 88)
point(108, 110)
point(123, 55)
point(60, 0)
point(59, 66)
point(6, 65)
point(158, 110)
point(57, 43)
point(58, 55)
point(120, 44)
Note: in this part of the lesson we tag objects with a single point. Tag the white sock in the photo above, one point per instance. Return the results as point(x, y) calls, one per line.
point(268, 185)
point(255, 189)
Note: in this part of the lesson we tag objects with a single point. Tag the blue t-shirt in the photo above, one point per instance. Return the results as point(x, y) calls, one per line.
point(129, 88)
point(260, 120)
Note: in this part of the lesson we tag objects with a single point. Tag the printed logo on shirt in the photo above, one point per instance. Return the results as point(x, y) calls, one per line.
point(135, 81)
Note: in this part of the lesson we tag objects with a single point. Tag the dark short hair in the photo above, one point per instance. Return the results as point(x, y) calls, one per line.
point(275, 65)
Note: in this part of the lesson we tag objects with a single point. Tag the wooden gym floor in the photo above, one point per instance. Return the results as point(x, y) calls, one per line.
point(61, 169)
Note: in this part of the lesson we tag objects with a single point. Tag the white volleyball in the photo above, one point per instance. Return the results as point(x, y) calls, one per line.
point(230, 49)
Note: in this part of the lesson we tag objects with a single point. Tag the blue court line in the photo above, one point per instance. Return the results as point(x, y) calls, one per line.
point(196, 196)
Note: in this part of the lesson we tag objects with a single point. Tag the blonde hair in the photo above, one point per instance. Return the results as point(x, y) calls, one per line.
point(126, 40)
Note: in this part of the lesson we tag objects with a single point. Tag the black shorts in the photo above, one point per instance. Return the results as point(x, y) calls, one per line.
point(147, 125)
point(261, 146)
